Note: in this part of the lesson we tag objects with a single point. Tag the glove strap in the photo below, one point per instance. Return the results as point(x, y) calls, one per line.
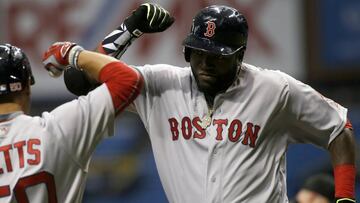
point(137, 33)
point(74, 56)
point(116, 43)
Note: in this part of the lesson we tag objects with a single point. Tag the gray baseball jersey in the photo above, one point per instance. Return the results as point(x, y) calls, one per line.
point(238, 153)
point(45, 159)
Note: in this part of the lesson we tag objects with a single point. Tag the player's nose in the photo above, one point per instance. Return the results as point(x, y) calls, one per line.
point(207, 63)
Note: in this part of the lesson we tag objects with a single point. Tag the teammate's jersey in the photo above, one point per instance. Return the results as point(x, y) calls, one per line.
point(240, 155)
point(45, 159)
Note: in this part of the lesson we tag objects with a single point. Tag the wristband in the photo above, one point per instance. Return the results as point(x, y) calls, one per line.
point(344, 176)
point(116, 43)
point(74, 55)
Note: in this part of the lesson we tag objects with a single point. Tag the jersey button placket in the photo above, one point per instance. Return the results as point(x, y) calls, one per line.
point(214, 173)
point(215, 151)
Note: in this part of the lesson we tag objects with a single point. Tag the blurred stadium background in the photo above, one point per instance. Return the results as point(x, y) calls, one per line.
point(317, 42)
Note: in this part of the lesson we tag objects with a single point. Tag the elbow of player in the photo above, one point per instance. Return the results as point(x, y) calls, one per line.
point(124, 83)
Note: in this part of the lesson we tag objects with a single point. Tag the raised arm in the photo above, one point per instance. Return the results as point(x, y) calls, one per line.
point(147, 18)
point(123, 82)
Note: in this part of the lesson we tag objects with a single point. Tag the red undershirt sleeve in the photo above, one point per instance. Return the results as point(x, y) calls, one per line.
point(124, 83)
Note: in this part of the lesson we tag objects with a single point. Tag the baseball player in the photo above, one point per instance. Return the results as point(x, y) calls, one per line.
point(45, 159)
point(220, 128)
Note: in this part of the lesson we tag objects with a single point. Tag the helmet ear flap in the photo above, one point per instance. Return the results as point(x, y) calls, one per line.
point(241, 53)
point(187, 52)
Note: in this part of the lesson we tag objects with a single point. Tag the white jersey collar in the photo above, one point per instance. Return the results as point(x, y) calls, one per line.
point(10, 116)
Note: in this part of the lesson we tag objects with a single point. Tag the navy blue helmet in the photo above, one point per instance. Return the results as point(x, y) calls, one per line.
point(15, 70)
point(217, 29)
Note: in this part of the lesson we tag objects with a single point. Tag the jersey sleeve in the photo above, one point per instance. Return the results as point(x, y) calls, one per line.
point(313, 118)
point(157, 79)
point(83, 122)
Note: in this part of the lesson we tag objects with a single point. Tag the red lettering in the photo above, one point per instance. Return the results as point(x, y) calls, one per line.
point(4, 191)
point(6, 150)
point(196, 123)
point(235, 130)
point(19, 146)
point(210, 29)
point(186, 127)
point(220, 123)
point(42, 177)
point(251, 134)
point(24, 183)
point(31, 150)
point(235, 123)
point(174, 128)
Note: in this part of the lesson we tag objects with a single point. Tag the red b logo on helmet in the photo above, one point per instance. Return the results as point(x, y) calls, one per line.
point(210, 29)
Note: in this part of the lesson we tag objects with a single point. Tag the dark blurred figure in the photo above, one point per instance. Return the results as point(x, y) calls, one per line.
point(316, 189)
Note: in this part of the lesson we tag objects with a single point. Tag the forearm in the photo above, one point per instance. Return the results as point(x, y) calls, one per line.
point(124, 83)
point(89, 79)
point(116, 43)
point(147, 18)
point(92, 63)
point(342, 151)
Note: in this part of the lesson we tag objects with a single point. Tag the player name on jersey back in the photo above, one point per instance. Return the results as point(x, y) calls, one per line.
point(19, 154)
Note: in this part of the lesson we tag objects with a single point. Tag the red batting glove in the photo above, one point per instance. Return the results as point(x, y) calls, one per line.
point(58, 57)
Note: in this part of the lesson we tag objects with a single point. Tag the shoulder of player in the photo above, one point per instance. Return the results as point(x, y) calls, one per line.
point(160, 67)
point(27, 121)
point(266, 76)
point(163, 70)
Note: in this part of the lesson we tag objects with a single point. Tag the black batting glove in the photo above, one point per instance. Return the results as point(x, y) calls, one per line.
point(148, 18)
point(344, 200)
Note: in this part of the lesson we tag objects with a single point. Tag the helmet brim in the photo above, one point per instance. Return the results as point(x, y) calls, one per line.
point(204, 44)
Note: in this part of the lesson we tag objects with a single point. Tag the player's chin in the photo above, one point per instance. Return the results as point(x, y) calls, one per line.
point(206, 86)
point(207, 80)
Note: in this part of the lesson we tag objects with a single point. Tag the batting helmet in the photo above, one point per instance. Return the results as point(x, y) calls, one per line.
point(217, 29)
point(15, 70)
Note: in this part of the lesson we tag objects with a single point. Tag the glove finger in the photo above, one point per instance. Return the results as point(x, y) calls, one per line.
point(49, 59)
point(154, 16)
point(53, 70)
point(147, 8)
point(165, 18)
point(161, 17)
point(167, 23)
point(65, 48)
